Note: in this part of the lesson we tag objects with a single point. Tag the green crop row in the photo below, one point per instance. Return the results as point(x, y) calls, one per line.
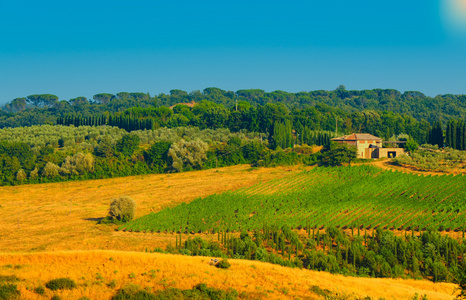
point(358, 196)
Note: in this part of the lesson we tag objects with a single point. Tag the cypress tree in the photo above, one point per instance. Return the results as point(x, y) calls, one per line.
point(453, 134)
point(448, 135)
point(463, 135)
point(439, 134)
point(460, 135)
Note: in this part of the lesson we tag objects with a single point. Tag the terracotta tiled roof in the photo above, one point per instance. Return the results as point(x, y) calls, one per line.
point(357, 137)
point(191, 104)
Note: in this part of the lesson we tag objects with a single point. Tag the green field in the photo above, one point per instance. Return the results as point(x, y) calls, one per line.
point(344, 197)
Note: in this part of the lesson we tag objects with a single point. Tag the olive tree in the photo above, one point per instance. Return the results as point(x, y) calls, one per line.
point(188, 154)
point(122, 209)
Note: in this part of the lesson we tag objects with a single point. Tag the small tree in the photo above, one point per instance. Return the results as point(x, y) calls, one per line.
point(460, 279)
point(188, 154)
point(21, 175)
point(105, 148)
point(128, 144)
point(50, 170)
point(411, 146)
point(338, 154)
point(34, 174)
point(122, 209)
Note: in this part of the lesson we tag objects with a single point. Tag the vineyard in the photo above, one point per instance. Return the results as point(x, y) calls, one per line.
point(361, 197)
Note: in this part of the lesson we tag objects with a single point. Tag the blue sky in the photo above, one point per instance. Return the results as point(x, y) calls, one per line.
point(82, 48)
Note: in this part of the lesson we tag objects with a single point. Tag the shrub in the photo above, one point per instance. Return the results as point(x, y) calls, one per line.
point(9, 278)
point(40, 290)
point(223, 264)
point(112, 284)
point(122, 209)
point(133, 292)
point(55, 297)
point(9, 292)
point(61, 284)
point(200, 291)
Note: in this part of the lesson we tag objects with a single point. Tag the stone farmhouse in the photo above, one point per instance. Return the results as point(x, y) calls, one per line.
point(369, 146)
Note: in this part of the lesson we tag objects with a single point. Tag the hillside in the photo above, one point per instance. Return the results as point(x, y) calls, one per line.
point(63, 216)
point(343, 197)
point(99, 274)
point(37, 226)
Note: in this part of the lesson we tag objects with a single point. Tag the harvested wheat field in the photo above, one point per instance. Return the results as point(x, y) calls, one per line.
point(99, 274)
point(64, 216)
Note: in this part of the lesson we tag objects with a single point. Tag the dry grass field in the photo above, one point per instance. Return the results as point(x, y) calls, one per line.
point(50, 231)
point(99, 274)
point(63, 216)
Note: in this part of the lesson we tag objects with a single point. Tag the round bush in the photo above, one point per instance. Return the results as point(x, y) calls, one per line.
point(122, 209)
point(223, 264)
point(40, 290)
point(9, 291)
point(61, 284)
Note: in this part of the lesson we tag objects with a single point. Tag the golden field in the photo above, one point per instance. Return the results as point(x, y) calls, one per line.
point(94, 271)
point(63, 216)
point(51, 231)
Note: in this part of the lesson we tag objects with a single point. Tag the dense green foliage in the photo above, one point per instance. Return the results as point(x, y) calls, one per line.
point(61, 284)
point(198, 292)
point(40, 290)
point(54, 153)
point(223, 264)
point(379, 112)
point(9, 292)
point(339, 153)
point(436, 136)
point(275, 120)
point(362, 196)
point(455, 136)
point(40, 108)
point(374, 253)
point(429, 158)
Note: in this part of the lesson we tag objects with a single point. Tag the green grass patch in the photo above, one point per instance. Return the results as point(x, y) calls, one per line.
point(61, 284)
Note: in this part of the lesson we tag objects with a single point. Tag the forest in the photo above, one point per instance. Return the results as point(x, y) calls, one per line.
point(43, 139)
point(50, 153)
point(375, 253)
point(412, 103)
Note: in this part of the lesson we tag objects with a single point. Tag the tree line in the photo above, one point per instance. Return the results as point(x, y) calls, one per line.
point(359, 111)
point(268, 119)
point(56, 153)
point(413, 103)
point(374, 253)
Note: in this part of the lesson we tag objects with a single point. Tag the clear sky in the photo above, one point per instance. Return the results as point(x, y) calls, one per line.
point(80, 48)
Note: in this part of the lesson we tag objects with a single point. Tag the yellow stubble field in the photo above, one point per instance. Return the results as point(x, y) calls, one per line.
point(95, 271)
point(64, 216)
point(50, 231)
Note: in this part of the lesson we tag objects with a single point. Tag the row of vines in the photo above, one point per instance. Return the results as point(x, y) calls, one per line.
point(362, 197)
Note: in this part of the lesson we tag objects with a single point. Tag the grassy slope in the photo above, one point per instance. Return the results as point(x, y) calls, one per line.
point(45, 223)
point(37, 217)
point(93, 270)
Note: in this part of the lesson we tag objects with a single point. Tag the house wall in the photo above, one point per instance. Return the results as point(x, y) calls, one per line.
point(363, 148)
point(383, 152)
